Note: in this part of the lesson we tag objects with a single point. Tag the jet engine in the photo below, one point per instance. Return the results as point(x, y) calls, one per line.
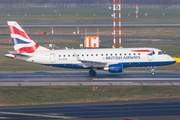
point(114, 68)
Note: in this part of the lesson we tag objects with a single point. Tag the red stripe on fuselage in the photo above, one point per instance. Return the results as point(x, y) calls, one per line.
point(27, 49)
point(143, 50)
point(14, 30)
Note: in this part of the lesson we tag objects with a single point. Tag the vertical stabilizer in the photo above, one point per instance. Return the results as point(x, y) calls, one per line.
point(21, 40)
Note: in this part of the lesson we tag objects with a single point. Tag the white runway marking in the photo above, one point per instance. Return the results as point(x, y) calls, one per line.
point(144, 79)
point(86, 75)
point(47, 75)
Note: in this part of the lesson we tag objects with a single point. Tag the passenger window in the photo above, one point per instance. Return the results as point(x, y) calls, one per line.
point(101, 54)
point(134, 53)
point(77, 55)
point(115, 54)
point(59, 55)
point(82, 54)
point(124, 53)
point(138, 53)
point(64, 55)
point(91, 54)
point(73, 55)
point(96, 54)
point(87, 55)
point(106, 54)
point(120, 54)
point(129, 53)
point(111, 54)
point(68, 55)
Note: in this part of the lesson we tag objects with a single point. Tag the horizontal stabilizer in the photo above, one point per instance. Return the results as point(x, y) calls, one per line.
point(10, 56)
point(23, 54)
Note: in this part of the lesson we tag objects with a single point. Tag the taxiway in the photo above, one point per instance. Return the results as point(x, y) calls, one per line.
point(163, 109)
point(93, 24)
point(102, 38)
point(78, 78)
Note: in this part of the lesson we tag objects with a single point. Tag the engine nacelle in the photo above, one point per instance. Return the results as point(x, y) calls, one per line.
point(114, 68)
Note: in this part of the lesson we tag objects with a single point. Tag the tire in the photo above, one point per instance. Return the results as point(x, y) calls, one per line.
point(92, 73)
point(153, 73)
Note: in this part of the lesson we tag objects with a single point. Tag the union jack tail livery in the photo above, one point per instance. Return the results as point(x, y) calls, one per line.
point(23, 44)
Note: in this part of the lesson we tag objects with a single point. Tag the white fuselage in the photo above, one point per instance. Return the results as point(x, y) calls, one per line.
point(71, 58)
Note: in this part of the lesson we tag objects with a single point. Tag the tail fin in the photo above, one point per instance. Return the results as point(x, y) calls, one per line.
point(21, 41)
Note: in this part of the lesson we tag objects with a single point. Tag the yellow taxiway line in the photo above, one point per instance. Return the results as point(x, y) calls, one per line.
point(38, 115)
point(156, 40)
point(160, 40)
point(177, 59)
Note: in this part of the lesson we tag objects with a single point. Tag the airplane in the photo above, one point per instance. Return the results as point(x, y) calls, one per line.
point(113, 60)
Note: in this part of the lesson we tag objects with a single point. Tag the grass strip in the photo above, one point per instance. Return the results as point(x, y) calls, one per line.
point(86, 15)
point(27, 95)
point(140, 32)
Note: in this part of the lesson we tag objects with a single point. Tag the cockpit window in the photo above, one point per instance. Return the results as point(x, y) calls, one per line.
point(161, 53)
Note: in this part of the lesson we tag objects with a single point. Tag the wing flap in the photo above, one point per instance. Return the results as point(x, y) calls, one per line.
point(94, 64)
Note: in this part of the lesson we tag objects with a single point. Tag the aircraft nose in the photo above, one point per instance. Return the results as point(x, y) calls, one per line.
point(172, 60)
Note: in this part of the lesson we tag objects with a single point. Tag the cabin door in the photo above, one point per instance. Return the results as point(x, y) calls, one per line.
point(150, 57)
point(52, 58)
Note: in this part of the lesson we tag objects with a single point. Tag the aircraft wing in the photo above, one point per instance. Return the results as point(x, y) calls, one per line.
point(95, 64)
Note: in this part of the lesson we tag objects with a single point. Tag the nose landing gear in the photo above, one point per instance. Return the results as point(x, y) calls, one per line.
point(92, 72)
point(152, 70)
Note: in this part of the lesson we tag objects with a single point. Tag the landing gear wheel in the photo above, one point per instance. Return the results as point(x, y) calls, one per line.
point(152, 73)
point(152, 70)
point(92, 73)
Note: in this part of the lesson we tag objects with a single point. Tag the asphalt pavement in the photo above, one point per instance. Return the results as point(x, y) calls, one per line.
point(93, 24)
point(79, 78)
point(163, 109)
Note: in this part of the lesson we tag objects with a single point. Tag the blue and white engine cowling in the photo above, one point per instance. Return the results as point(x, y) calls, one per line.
point(114, 68)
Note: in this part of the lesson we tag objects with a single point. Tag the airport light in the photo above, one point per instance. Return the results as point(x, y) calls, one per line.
point(137, 9)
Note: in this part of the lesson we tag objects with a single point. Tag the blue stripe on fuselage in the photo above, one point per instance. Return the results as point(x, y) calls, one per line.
point(129, 64)
point(145, 64)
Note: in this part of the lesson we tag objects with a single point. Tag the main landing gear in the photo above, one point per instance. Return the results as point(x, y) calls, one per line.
point(152, 70)
point(92, 72)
